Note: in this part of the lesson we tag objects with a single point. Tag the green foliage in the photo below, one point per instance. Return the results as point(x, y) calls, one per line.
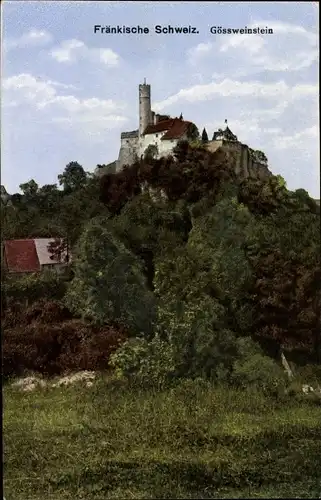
point(146, 363)
point(192, 342)
point(204, 136)
point(151, 152)
point(108, 283)
point(181, 250)
point(284, 253)
point(217, 238)
point(29, 189)
point(260, 371)
point(193, 133)
point(32, 287)
point(148, 226)
point(259, 156)
point(73, 178)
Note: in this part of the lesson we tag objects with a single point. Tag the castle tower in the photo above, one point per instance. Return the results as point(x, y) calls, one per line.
point(145, 112)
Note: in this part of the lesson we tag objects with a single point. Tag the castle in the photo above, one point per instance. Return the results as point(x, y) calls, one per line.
point(158, 135)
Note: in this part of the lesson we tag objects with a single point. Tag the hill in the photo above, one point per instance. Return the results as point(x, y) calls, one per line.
point(186, 285)
point(183, 233)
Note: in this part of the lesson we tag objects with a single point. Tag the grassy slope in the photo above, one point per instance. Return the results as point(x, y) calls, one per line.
point(107, 442)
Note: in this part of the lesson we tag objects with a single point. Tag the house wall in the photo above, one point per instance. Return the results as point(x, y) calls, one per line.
point(54, 267)
point(164, 147)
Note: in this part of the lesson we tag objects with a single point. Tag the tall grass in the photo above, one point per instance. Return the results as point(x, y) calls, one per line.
point(191, 441)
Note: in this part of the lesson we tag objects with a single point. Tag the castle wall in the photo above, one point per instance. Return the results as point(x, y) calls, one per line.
point(213, 146)
point(244, 164)
point(128, 153)
point(107, 169)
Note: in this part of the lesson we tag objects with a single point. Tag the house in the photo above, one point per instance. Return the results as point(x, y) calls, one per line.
point(31, 256)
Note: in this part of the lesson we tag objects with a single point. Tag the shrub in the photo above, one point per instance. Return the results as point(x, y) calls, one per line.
point(43, 311)
point(55, 349)
point(146, 363)
point(260, 371)
point(33, 287)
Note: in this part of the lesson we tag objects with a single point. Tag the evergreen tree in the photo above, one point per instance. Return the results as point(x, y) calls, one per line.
point(204, 135)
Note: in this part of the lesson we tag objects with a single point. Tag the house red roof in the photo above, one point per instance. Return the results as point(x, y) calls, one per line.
point(27, 256)
point(174, 128)
point(159, 127)
point(21, 256)
point(178, 128)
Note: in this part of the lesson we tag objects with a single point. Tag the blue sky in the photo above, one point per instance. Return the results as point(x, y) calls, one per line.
point(68, 93)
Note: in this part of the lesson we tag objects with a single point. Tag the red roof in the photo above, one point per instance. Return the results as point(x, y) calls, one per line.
point(175, 128)
point(178, 128)
point(159, 127)
point(21, 256)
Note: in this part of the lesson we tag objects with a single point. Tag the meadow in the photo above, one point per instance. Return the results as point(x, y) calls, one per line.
point(194, 440)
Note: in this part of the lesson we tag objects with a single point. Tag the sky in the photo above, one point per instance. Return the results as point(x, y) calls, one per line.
point(68, 93)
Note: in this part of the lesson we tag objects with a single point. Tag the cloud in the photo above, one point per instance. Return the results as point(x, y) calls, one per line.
point(233, 88)
point(29, 88)
point(289, 48)
point(67, 110)
point(62, 85)
point(197, 52)
point(298, 140)
point(71, 51)
point(32, 38)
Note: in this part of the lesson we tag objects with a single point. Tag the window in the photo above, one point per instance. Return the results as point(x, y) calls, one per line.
point(156, 135)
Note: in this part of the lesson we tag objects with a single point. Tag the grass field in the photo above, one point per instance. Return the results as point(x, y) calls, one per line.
point(193, 441)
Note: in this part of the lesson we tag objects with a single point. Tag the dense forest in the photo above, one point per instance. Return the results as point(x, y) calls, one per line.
point(178, 269)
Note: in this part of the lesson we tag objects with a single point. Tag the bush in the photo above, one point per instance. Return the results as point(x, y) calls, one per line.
point(146, 363)
point(260, 371)
point(43, 311)
point(33, 287)
point(310, 374)
point(53, 349)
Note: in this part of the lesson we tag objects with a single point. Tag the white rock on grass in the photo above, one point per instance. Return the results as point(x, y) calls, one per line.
point(76, 377)
point(307, 388)
point(28, 384)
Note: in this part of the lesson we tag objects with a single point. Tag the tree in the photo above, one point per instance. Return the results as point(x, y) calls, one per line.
point(151, 152)
point(48, 199)
point(284, 253)
point(204, 136)
point(218, 238)
point(189, 319)
point(73, 178)
point(29, 189)
point(149, 227)
point(193, 132)
point(108, 283)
